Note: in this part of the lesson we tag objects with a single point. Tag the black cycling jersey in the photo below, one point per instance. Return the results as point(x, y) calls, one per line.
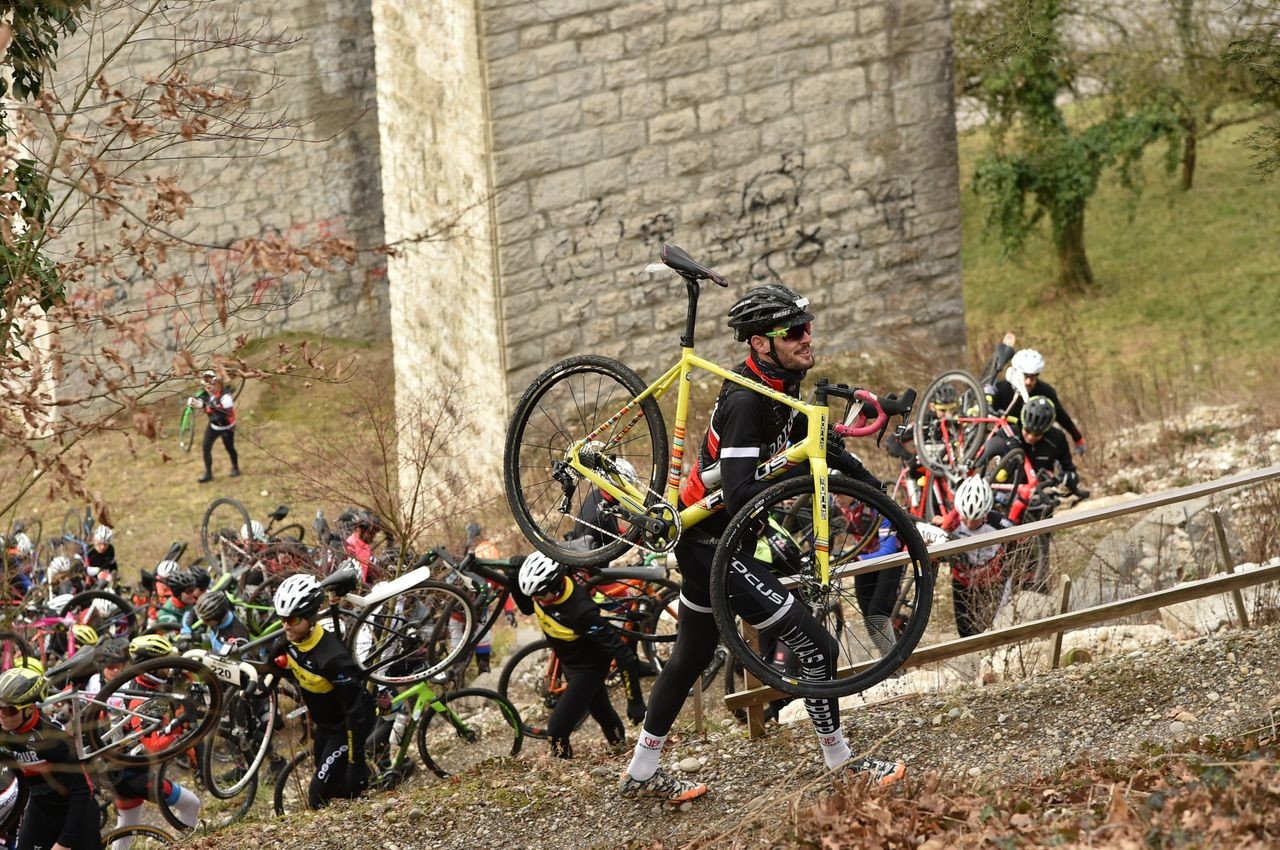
point(105, 560)
point(332, 685)
point(1005, 396)
point(748, 428)
point(1049, 452)
point(61, 803)
point(579, 634)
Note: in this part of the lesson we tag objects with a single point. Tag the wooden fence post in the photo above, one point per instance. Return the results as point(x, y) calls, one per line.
point(1062, 609)
point(1228, 566)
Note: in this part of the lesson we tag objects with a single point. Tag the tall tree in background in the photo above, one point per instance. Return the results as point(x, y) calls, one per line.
point(1258, 53)
point(1013, 59)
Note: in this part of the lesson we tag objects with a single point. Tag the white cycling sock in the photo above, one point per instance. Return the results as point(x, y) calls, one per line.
point(188, 807)
point(835, 750)
point(126, 817)
point(644, 761)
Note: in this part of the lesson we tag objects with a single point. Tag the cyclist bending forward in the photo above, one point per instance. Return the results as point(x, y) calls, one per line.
point(745, 429)
point(339, 705)
point(586, 646)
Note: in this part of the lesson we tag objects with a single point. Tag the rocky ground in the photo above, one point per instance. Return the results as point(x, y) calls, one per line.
point(1132, 706)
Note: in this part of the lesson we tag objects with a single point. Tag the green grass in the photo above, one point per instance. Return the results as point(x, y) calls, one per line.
point(1182, 277)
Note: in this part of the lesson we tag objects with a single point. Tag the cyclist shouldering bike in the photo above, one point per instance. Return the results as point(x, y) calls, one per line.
point(747, 427)
point(586, 646)
point(340, 707)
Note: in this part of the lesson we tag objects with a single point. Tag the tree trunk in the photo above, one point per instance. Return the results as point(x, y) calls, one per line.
point(1074, 274)
point(1188, 159)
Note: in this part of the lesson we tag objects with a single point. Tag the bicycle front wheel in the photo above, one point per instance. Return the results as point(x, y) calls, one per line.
point(947, 434)
point(562, 406)
point(154, 710)
point(477, 725)
point(186, 430)
point(407, 638)
point(892, 605)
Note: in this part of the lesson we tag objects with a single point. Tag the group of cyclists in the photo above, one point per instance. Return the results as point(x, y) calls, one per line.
point(777, 327)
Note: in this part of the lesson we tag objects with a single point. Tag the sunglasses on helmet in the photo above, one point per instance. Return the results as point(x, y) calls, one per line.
point(793, 333)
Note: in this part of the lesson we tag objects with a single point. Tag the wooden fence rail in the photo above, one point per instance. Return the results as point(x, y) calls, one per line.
point(754, 698)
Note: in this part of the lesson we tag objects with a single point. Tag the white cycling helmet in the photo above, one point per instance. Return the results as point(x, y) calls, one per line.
point(627, 470)
point(22, 545)
point(1028, 361)
point(256, 529)
point(539, 574)
point(164, 569)
point(299, 596)
point(974, 498)
point(104, 608)
point(102, 534)
point(58, 604)
point(58, 567)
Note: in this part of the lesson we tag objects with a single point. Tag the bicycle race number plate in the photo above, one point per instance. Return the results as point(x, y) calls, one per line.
point(226, 671)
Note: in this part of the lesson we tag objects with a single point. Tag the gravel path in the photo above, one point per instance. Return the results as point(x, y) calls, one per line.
point(1133, 704)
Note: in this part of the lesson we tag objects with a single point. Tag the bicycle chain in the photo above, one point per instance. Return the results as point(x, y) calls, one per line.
point(661, 503)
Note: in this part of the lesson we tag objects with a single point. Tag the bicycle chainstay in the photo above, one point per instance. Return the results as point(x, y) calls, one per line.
point(658, 534)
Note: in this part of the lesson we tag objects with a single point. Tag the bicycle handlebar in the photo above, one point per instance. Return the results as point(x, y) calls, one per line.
point(893, 404)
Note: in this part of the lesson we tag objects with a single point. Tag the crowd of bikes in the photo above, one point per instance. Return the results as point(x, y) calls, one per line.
point(180, 708)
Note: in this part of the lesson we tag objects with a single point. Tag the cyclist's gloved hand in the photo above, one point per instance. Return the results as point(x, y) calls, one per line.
point(636, 710)
point(1071, 481)
point(835, 446)
point(193, 402)
point(1081, 448)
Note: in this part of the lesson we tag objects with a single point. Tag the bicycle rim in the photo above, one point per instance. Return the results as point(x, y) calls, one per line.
point(476, 727)
point(186, 430)
point(873, 621)
point(943, 443)
point(109, 614)
point(407, 638)
point(138, 837)
point(214, 813)
point(222, 521)
point(562, 406)
point(176, 694)
point(235, 749)
point(293, 785)
point(531, 682)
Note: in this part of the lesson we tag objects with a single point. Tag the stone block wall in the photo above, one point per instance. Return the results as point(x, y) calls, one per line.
point(325, 184)
point(807, 141)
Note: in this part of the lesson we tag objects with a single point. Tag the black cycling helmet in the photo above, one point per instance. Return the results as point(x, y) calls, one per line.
point(180, 581)
point(113, 651)
point(213, 606)
point(766, 307)
point(202, 577)
point(945, 394)
point(1037, 415)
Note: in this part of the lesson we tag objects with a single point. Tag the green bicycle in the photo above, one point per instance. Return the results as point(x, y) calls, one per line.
point(456, 732)
point(583, 416)
point(187, 426)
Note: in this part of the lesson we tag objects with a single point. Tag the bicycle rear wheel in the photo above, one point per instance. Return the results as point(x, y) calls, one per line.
point(138, 837)
point(562, 406)
point(531, 681)
point(223, 519)
point(476, 726)
point(943, 442)
point(406, 638)
point(109, 614)
point(214, 813)
point(870, 654)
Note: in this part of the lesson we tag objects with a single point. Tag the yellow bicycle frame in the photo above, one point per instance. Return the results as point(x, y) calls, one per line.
point(813, 449)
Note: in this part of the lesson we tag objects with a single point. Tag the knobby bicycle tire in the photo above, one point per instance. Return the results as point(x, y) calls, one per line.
point(214, 814)
point(231, 509)
point(73, 523)
point(194, 689)
point(562, 406)
point(405, 639)
point(13, 649)
point(478, 725)
point(290, 793)
point(139, 837)
point(964, 440)
point(234, 751)
point(186, 430)
point(524, 684)
point(124, 620)
point(872, 663)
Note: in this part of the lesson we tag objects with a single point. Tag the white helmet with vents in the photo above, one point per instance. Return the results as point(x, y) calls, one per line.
point(539, 574)
point(1028, 361)
point(974, 498)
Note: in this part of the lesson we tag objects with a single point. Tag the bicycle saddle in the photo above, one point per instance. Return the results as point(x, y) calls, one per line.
point(341, 582)
point(677, 259)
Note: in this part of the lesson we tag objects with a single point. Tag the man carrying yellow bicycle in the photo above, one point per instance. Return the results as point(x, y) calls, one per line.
point(747, 427)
